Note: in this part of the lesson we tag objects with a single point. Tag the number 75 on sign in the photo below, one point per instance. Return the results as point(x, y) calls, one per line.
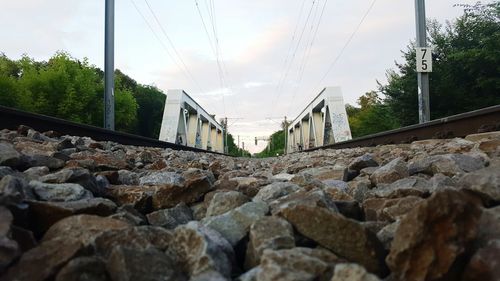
point(424, 59)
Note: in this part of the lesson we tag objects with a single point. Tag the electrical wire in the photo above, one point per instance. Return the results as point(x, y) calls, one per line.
point(165, 48)
point(170, 42)
point(213, 47)
point(307, 53)
point(280, 89)
point(344, 47)
point(348, 41)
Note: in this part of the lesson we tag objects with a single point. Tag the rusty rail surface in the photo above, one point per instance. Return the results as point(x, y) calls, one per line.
point(12, 118)
point(460, 125)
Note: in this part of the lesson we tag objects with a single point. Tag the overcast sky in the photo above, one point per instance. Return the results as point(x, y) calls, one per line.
point(255, 40)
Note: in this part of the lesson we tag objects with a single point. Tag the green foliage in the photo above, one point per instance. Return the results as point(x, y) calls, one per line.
point(466, 67)
point(233, 148)
point(71, 89)
point(275, 146)
point(371, 117)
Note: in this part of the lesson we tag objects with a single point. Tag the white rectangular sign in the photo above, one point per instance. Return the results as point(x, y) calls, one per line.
point(424, 59)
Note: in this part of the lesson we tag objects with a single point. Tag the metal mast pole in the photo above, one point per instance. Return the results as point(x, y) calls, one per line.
point(423, 78)
point(109, 66)
point(285, 128)
point(225, 139)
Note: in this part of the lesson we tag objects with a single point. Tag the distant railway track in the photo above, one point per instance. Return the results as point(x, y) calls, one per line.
point(483, 120)
point(12, 118)
point(460, 125)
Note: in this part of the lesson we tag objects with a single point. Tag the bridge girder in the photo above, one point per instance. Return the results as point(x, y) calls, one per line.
point(323, 121)
point(185, 122)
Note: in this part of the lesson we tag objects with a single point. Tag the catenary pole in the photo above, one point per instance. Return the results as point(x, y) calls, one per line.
point(422, 77)
point(285, 127)
point(225, 138)
point(109, 65)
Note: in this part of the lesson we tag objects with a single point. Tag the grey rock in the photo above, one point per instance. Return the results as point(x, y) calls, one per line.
point(44, 214)
point(315, 197)
point(9, 249)
point(250, 275)
point(268, 233)
point(75, 175)
point(274, 191)
point(350, 209)
point(362, 162)
point(84, 269)
point(359, 188)
point(386, 234)
point(34, 173)
point(65, 144)
point(390, 172)
point(59, 192)
point(368, 171)
point(447, 164)
point(337, 172)
point(235, 224)
point(374, 226)
point(485, 182)
point(129, 214)
point(43, 160)
point(345, 237)
point(225, 201)
point(193, 173)
point(413, 185)
point(102, 182)
point(9, 155)
point(156, 178)
point(171, 218)
point(138, 238)
point(35, 135)
point(199, 210)
point(352, 272)
point(14, 190)
point(300, 264)
point(210, 275)
point(125, 264)
point(5, 171)
point(198, 249)
point(128, 178)
point(283, 177)
point(307, 181)
point(340, 185)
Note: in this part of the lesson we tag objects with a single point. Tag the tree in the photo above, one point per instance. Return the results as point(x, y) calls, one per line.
point(275, 146)
point(150, 104)
point(233, 148)
point(371, 117)
point(466, 67)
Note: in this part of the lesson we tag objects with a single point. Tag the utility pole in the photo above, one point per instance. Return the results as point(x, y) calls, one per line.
point(238, 142)
point(225, 138)
point(109, 65)
point(226, 126)
point(285, 128)
point(422, 58)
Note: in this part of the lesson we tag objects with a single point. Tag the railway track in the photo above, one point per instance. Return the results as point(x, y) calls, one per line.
point(460, 125)
point(483, 120)
point(12, 118)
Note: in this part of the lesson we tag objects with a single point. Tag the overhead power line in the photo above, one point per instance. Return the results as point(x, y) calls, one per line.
point(290, 64)
point(344, 47)
point(307, 50)
point(184, 71)
point(348, 41)
point(213, 46)
point(170, 42)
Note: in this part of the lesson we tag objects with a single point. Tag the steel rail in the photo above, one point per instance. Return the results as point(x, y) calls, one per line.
point(12, 118)
point(460, 125)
